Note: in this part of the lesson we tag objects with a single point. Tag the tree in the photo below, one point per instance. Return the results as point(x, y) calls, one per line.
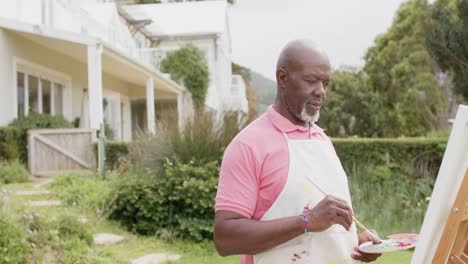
point(400, 72)
point(350, 107)
point(188, 65)
point(447, 40)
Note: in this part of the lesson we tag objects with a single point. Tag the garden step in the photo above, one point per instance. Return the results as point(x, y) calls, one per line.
point(41, 182)
point(107, 239)
point(155, 258)
point(44, 203)
point(35, 192)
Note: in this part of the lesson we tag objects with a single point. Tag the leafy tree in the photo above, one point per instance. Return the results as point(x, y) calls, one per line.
point(350, 107)
point(447, 40)
point(188, 65)
point(400, 71)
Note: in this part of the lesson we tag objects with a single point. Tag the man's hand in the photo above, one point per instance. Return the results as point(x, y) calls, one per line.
point(331, 210)
point(364, 257)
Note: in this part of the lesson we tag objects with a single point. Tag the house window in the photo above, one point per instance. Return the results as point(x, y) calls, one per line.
point(33, 93)
point(39, 94)
point(46, 96)
point(20, 93)
point(58, 98)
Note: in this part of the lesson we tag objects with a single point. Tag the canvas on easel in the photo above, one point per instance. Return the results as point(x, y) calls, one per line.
point(444, 233)
point(453, 246)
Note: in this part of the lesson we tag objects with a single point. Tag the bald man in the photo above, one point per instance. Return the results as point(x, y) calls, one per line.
point(271, 205)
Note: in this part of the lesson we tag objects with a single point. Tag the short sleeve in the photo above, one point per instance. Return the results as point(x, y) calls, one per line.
point(238, 180)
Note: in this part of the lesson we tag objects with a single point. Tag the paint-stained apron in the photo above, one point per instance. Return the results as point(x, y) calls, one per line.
point(317, 160)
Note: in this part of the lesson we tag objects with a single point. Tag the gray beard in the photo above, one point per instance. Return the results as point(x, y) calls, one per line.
point(304, 116)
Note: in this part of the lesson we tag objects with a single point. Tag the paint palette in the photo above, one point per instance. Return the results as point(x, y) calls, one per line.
point(397, 242)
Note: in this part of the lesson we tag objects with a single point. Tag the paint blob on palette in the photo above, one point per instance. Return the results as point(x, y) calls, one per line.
point(397, 242)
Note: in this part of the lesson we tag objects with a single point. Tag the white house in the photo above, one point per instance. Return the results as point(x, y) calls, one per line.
point(204, 24)
point(89, 59)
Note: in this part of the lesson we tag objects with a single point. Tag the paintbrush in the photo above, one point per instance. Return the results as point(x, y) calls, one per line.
point(374, 237)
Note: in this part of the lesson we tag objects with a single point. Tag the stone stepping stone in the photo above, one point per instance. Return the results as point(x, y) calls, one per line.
point(30, 193)
point(44, 203)
point(107, 239)
point(155, 258)
point(41, 182)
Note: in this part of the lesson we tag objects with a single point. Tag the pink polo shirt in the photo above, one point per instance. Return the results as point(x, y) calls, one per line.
point(255, 165)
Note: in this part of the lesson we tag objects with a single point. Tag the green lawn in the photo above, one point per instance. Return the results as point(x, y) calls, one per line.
point(134, 245)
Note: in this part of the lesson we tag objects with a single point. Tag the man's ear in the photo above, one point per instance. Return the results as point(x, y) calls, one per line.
point(281, 77)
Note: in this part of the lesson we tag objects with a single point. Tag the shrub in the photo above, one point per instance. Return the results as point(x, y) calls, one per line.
point(151, 152)
point(9, 143)
point(188, 65)
point(82, 189)
point(204, 139)
point(416, 157)
point(36, 121)
point(11, 172)
point(181, 202)
point(13, 246)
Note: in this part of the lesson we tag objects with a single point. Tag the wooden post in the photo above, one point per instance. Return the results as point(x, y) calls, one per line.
point(101, 151)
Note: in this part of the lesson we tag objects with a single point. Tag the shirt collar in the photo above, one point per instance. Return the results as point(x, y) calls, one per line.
point(285, 125)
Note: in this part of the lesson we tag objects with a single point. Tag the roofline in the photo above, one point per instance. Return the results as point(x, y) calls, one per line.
point(42, 30)
point(185, 36)
point(86, 40)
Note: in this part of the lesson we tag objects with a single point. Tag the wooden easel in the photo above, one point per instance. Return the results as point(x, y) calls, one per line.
point(453, 246)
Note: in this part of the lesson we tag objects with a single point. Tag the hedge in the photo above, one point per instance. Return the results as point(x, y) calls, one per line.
point(114, 152)
point(179, 203)
point(352, 151)
point(355, 151)
point(9, 143)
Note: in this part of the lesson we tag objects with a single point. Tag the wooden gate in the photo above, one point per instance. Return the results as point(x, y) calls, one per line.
point(54, 150)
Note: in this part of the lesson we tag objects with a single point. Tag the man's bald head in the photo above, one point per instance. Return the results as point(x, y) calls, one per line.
point(302, 75)
point(297, 52)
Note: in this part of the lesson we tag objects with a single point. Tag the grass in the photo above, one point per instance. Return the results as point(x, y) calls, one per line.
point(134, 245)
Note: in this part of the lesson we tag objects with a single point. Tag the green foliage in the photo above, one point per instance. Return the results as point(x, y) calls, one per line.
point(400, 72)
point(351, 108)
point(59, 240)
point(151, 151)
point(242, 71)
point(36, 121)
point(408, 153)
point(9, 141)
point(180, 203)
point(82, 189)
point(447, 40)
point(116, 153)
point(204, 139)
point(14, 171)
point(387, 200)
point(13, 246)
point(188, 65)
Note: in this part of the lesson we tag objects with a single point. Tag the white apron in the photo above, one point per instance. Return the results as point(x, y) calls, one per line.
point(315, 159)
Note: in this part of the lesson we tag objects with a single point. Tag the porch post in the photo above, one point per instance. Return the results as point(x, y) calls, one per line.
point(180, 116)
point(151, 120)
point(95, 86)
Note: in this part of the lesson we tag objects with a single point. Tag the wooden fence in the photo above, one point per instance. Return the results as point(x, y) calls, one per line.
point(54, 150)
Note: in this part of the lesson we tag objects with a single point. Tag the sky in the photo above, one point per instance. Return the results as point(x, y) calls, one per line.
point(345, 29)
